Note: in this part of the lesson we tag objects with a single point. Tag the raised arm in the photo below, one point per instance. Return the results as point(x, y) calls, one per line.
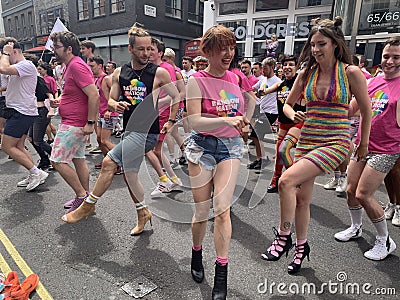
point(358, 87)
point(294, 95)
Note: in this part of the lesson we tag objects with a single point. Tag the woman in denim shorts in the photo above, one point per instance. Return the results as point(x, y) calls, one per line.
point(215, 106)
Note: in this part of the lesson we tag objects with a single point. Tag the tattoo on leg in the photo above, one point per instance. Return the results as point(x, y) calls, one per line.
point(286, 225)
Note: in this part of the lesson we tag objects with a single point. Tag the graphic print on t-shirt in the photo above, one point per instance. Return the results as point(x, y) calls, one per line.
point(135, 92)
point(379, 102)
point(283, 94)
point(227, 106)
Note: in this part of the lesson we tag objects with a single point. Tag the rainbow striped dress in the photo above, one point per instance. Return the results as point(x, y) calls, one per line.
point(325, 138)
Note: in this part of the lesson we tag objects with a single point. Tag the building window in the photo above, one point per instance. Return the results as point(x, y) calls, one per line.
point(10, 27)
point(231, 8)
point(262, 5)
point(30, 23)
point(379, 16)
point(305, 3)
point(117, 6)
point(24, 29)
point(195, 11)
point(173, 8)
point(48, 18)
point(17, 29)
point(83, 10)
point(99, 8)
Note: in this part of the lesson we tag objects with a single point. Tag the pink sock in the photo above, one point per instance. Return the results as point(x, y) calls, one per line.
point(196, 248)
point(300, 242)
point(222, 261)
point(278, 244)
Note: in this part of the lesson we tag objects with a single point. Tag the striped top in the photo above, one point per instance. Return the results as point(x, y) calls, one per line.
point(325, 138)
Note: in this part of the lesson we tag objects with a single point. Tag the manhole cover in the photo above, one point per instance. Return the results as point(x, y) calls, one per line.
point(139, 287)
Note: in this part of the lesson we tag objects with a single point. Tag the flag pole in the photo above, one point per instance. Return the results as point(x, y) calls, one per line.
point(41, 56)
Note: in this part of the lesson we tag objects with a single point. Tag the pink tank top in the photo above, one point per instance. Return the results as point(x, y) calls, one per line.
point(221, 97)
point(385, 132)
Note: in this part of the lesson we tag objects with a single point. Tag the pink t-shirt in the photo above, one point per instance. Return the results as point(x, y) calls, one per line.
point(103, 103)
point(221, 97)
point(243, 80)
point(385, 132)
point(74, 102)
point(164, 107)
point(252, 80)
point(51, 84)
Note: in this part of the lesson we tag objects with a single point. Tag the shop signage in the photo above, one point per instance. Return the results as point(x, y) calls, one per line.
point(150, 11)
point(266, 29)
point(383, 19)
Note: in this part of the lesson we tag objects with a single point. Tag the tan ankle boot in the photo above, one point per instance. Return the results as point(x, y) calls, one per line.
point(144, 215)
point(84, 211)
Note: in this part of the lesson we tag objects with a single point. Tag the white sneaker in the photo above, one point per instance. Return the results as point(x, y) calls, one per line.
point(350, 233)
point(383, 247)
point(389, 210)
point(245, 149)
point(24, 182)
point(341, 185)
point(396, 216)
point(35, 180)
point(176, 185)
point(331, 184)
point(162, 187)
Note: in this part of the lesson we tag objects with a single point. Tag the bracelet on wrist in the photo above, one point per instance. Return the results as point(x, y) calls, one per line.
point(172, 121)
point(7, 54)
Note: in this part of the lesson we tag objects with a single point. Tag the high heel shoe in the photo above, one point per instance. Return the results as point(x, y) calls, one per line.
point(196, 266)
point(284, 242)
point(144, 215)
point(301, 251)
point(220, 288)
point(84, 211)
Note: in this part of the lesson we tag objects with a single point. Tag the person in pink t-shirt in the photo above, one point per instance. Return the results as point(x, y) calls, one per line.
point(107, 120)
point(366, 175)
point(78, 109)
point(157, 157)
point(216, 112)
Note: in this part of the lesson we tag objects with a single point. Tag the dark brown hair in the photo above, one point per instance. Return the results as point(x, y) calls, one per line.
point(68, 39)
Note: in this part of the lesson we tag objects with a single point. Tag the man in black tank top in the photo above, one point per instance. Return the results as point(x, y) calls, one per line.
point(134, 92)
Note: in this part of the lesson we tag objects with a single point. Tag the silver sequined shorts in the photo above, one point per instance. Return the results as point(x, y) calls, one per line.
point(380, 162)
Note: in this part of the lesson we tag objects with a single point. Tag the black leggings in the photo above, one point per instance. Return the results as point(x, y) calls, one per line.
point(37, 132)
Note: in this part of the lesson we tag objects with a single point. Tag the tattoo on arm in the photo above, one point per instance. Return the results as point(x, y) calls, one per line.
point(287, 225)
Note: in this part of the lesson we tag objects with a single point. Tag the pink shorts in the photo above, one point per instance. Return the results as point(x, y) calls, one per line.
point(69, 143)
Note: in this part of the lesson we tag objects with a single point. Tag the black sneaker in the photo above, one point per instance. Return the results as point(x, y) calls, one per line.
point(44, 165)
point(182, 160)
point(256, 165)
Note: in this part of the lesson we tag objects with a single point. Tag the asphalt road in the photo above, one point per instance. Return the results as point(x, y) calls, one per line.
point(95, 258)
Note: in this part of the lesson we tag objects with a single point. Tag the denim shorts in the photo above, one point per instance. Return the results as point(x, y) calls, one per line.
point(18, 124)
point(129, 152)
point(210, 150)
point(380, 162)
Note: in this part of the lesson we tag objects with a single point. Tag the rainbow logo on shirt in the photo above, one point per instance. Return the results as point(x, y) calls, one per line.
point(228, 105)
point(135, 92)
point(379, 102)
point(283, 94)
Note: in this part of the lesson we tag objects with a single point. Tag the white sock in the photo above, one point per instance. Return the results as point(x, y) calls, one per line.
point(34, 171)
point(381, 226)
point(356, 216)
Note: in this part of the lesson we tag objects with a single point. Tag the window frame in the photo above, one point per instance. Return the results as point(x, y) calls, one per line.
point(100, 8)
point(117, 6)
point(198, 14)
point(82, 11)
point(176, 7)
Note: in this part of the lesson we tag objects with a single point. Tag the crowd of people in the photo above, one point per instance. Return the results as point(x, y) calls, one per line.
point(332, 116)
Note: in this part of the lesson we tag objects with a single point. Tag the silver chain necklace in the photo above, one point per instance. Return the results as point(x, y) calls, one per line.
point(138, 76)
